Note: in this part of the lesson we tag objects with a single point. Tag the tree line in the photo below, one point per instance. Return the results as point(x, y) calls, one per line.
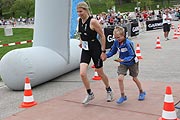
point(128, 5)
point(16, 8)
point(25, 8)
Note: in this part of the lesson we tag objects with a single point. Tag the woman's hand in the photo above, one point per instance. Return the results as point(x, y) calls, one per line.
point(80, 45)
point(103, 56)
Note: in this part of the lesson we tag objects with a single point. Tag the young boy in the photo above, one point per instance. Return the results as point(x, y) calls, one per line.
point(128, 61)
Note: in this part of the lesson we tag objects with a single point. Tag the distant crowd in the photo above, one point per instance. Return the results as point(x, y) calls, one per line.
point(19, 21)
point(110, 18)
point(118, 18)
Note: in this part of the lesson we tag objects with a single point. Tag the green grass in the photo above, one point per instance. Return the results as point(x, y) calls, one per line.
point(19, 34)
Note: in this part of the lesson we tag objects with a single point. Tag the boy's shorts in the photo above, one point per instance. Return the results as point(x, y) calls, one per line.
point(133, 69)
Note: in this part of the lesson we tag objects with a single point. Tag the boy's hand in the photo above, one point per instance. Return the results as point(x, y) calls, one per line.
point(118, 60)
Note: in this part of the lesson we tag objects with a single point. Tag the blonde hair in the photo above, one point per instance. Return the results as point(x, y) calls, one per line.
point(119, 30)
point(84, 5)
point(103, 13)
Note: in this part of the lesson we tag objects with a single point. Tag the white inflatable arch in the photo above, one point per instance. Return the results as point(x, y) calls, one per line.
point(52, 54)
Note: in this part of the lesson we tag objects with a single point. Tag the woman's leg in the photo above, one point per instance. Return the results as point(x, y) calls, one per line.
point(103, 76)
point(83, 74)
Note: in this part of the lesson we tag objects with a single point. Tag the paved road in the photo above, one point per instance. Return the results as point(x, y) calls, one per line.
point(156, 65)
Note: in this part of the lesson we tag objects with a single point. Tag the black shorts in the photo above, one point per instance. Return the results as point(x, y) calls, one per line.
point(94, 52)
point(166, 27)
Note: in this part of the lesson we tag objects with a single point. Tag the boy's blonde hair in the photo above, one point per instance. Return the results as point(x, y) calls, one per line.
point(119, 30)
point(84, 5)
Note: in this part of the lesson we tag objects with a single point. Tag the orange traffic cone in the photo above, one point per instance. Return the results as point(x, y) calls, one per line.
point(28, 100)
point(158, 44)
point(168, 112)
point(178, 26)
point(138, 52)
point(172, 26)
point(96, 76)
point(175, 36)
point(178, 32)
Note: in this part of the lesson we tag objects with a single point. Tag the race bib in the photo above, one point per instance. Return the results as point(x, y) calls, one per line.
point(85, 45)
point(123, 49)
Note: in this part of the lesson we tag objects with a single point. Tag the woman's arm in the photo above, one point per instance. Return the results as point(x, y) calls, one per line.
point(94, 25)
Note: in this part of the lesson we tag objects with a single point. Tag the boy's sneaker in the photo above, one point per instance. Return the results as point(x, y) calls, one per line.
point(88, 98)
point(142, 96)
point(109, 96)
point(121, 99)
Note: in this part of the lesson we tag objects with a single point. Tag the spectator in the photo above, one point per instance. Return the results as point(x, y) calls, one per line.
point(166, 23)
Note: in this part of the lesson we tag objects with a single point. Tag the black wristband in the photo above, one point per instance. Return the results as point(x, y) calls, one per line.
point(104, 51)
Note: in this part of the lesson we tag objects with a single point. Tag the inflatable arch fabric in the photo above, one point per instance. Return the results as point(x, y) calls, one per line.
point(52, 53)
point(74, 17)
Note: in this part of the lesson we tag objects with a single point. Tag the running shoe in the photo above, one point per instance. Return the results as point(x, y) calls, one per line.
point(88, 98)
point(109, 96)
point(121, 99)
point(142, 96)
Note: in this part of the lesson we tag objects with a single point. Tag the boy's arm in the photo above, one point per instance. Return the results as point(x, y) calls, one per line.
point(113, 50)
